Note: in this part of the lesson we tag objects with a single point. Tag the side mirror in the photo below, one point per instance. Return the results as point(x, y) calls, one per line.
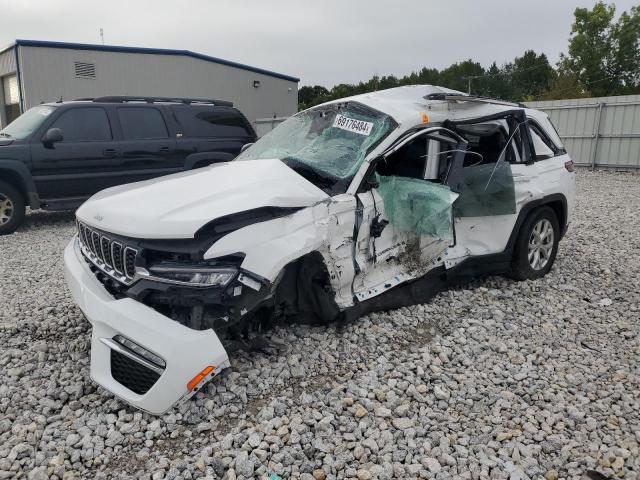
point(245, 146)
point(52, 136)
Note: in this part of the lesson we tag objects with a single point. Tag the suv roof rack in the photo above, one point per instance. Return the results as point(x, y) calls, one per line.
point(471, 98)
point(186, 101)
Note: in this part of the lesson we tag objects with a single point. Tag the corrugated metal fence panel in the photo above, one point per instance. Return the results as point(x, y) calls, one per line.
point(7, 62)
point(265, 125)
point(50, 73)
point(603, 131)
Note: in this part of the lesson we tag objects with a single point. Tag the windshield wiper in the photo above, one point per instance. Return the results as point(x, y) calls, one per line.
point(2, 134)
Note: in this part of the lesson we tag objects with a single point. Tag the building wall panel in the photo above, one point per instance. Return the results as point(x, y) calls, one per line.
point(7, 62)
point(49, 74)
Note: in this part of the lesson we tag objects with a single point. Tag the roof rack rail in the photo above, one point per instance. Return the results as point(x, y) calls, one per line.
point(186, 101)
point(471, 98)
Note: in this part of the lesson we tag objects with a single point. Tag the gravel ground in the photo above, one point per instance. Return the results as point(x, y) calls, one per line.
point(494, 380)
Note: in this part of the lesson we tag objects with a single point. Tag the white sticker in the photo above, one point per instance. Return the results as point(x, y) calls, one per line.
point(352, 125)
point(45, 112)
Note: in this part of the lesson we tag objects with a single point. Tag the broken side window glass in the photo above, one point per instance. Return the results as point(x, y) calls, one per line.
point(326, 144)
point(485, 180)
point(418, 206)
point(485, 190)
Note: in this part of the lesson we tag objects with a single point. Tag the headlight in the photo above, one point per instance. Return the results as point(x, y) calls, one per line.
point(195, 275)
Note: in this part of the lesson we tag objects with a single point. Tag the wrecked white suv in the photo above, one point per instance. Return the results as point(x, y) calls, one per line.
point(365, 203)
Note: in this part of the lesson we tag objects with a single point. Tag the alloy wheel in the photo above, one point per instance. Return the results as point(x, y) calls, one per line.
point(541, 244)
point(6, 209)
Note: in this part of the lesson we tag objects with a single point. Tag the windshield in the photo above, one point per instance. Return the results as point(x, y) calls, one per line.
point(27, 123)
point(326, 145)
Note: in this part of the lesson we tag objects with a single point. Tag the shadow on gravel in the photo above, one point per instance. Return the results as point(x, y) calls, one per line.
point(41, 218)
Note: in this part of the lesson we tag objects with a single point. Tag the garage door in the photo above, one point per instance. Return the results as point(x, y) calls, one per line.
point(11, 97)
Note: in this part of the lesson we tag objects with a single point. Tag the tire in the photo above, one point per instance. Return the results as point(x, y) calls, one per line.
point(536, 246)
point(12, 208)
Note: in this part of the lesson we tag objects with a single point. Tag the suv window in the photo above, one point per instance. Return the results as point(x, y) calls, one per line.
point(212, 122)
point(142, 123)
point(87, 124)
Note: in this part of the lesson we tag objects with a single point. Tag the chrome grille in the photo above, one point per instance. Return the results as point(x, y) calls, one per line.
point(109, 255)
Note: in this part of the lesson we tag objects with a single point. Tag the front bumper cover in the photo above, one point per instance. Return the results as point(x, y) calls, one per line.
point(185, 351)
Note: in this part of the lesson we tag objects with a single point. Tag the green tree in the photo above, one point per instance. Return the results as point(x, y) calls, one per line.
point(310, 96)
point(604, 55)
point(495, 84)
point(530, 75)
point(455, 76)
point(626, 52)
point(563, 85)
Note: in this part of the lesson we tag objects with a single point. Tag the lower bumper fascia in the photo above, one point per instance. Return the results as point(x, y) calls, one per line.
point(186, 352)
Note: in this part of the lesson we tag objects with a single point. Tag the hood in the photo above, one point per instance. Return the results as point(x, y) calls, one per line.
point(177, 206)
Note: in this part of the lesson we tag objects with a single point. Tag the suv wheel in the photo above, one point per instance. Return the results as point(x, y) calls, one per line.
point(12, 208)
point(536, 246)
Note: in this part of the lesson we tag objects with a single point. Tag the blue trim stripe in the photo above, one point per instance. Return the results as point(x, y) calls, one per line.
point(151, 51)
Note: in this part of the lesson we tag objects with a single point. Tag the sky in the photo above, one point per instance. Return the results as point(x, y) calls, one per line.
point(322, 42)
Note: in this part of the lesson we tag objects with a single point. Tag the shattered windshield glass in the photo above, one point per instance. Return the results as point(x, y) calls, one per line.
point(326, 145)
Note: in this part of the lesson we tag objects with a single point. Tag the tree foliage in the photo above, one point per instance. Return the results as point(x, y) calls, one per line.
point(604, 55)
point(603, 58)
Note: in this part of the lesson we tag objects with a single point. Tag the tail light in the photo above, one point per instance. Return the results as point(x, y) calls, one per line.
point(570, 166)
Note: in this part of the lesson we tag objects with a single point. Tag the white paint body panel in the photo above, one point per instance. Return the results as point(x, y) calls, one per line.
point(185, 351)
point(176, 206)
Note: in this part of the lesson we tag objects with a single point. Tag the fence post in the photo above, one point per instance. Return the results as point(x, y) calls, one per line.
point(596, 136)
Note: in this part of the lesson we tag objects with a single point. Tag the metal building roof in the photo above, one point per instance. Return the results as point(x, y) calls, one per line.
point(148, 51)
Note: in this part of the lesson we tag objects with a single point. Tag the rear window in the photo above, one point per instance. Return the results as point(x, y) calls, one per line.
point(142, 123)
point(212, 122)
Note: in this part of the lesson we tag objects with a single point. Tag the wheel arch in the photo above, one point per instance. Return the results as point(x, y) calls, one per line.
point(295, 287)
point(557, 202)
point(17, 174)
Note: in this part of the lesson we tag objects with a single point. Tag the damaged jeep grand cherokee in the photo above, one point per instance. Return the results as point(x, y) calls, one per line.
point(366, 203)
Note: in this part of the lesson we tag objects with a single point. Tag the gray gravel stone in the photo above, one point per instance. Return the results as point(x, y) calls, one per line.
point(494, 379)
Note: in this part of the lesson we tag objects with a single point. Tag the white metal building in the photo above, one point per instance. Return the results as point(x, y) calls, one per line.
point(32, 72)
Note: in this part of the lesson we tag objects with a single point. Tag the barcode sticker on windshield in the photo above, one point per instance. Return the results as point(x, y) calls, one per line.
point(352, 125)
point(44, 112)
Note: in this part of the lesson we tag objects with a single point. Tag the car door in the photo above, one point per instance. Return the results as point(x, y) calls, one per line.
point(405, 212)
point(148, 149)
point(486, 209)
point(84, 162)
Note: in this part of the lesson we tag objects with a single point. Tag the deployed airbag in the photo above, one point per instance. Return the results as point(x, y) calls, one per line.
point(418, 206)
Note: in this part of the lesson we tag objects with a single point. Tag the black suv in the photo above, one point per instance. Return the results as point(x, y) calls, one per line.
point(56, 155)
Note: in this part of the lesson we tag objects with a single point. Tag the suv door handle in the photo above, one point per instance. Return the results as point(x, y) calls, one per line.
point(164, 149)
point(110, 152)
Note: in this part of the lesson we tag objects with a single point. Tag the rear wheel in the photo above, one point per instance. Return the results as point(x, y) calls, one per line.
point(536, 246)
point(12, 208)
